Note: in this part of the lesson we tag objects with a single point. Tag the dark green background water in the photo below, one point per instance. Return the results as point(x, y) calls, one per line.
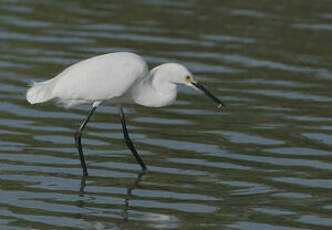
point(264, 162)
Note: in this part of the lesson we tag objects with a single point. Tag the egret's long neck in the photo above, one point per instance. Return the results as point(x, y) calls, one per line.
point(156, 90)
point(161, 81)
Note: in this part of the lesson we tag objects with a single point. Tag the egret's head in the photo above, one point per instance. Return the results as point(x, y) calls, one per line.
point(172, 73)
point(179, 74)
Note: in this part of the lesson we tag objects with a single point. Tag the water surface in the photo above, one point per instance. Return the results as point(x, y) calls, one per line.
point(264, 162)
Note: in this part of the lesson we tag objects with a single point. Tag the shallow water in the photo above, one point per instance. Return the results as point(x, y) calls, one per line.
point(264, 162)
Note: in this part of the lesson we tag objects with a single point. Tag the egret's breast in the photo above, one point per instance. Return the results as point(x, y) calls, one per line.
point(146, 95)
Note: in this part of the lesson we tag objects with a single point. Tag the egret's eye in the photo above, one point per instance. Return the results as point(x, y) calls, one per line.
point(188, 79)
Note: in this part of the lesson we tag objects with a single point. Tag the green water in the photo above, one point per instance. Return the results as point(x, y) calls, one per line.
point(264, 162)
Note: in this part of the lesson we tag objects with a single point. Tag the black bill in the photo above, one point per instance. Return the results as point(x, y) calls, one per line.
point(209, 94)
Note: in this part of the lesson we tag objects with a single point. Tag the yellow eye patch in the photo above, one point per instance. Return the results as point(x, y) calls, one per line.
point(189, 79)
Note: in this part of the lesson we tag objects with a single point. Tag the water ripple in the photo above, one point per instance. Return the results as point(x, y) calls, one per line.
point(263, 162)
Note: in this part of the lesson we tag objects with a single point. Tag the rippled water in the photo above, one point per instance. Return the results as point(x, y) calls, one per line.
point(264, 162)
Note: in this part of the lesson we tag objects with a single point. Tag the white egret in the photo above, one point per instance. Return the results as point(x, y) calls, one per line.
point(117, 78)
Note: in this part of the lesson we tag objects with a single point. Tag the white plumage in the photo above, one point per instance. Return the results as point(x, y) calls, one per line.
point(114, 78)
point(99, 78)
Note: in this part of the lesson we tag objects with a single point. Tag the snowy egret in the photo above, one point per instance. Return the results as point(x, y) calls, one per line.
point(117, 78)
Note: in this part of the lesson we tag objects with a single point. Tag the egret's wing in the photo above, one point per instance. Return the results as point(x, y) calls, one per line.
point(100, 78)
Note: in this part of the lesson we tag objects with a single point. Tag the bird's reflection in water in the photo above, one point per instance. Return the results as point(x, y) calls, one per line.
point(125, 215)
point(82, 187)
point(129, 195)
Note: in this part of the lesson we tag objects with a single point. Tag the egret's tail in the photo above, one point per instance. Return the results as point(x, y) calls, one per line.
point(40, 92)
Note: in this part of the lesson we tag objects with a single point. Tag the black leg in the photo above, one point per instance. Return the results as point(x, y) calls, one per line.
point(129, 143)
point(78, 135)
